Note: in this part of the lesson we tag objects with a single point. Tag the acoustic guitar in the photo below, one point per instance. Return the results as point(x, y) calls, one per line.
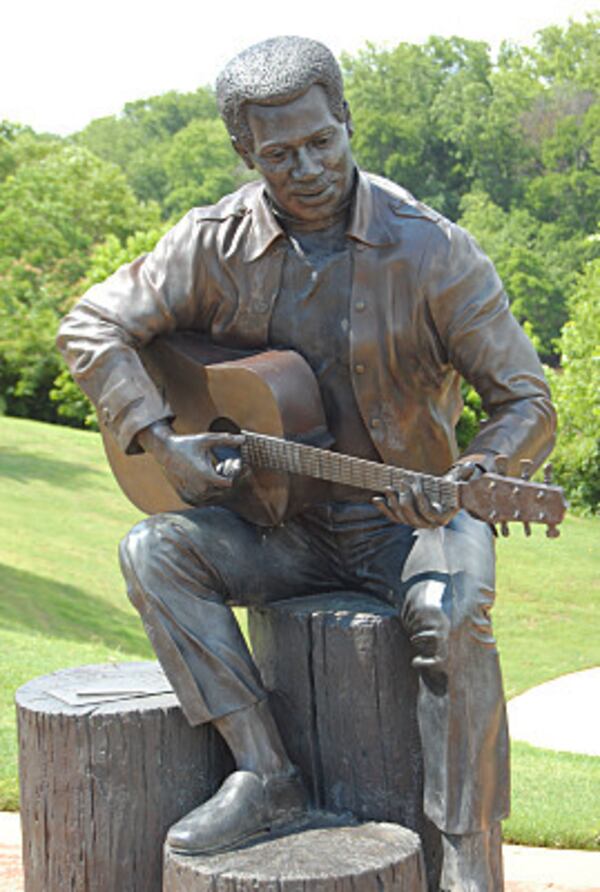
point(273, 399)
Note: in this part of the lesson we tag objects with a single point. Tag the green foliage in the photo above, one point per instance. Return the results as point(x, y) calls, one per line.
point(576, 390)
point(471, 417)
point(173, 149)
point(201, 166)
point(523, 255)
point(55, 205)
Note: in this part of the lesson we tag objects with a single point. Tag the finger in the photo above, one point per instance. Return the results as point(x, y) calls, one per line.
point(407, 508)
point(215, 479)
point(223, 439)
point(382, 506)
point(430, 512)
point(465, 470)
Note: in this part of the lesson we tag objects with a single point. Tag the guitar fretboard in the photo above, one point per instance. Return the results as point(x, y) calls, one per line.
point(276, 454)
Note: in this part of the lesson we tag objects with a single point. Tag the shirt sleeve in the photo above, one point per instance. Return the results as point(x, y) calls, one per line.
point(484, 342)
point(101, 336)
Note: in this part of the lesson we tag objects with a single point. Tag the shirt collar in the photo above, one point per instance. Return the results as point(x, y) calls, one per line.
point(370, 218)
point(264, 228)
point(368, 221)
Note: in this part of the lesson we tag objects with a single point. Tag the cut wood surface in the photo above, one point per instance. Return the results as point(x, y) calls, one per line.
point(107, 764)
point(325, 858)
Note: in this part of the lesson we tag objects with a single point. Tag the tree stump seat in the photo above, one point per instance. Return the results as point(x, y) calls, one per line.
point(326, 857)
point(108, 762)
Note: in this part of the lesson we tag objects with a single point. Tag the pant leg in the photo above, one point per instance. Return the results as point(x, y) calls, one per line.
point(448, 581)
point(443, 582)
point(184, 569)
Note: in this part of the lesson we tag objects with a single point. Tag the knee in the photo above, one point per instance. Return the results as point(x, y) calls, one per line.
point(427, 620)
point(146, 550)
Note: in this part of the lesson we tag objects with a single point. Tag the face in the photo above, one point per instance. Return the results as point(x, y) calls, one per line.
point(303, 154)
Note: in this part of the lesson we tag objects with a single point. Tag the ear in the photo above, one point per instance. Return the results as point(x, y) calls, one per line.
point(348, 120)
point(242, 152)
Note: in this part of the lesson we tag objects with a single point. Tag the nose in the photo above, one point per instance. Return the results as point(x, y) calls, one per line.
point(307, 167)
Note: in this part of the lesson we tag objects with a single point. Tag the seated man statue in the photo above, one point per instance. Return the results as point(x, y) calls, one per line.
point(390, 304)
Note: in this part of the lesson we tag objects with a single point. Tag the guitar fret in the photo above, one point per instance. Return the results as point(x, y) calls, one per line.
point(275, 453)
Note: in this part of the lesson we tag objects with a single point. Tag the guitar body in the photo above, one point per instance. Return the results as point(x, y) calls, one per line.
point(216, 388)
point(273, 397)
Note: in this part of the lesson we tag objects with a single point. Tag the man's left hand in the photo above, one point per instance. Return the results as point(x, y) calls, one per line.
point(412, 506)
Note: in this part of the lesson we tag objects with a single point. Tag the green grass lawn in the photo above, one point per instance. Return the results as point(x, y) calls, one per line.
point(62, 603)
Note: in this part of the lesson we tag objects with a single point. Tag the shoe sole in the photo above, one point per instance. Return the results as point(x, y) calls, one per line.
point(248, 837)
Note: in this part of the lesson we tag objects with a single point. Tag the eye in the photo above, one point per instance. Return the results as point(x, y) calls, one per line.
point(321, 142)
point(274, 155)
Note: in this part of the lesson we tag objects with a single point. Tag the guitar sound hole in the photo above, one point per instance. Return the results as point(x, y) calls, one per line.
point(224, 425)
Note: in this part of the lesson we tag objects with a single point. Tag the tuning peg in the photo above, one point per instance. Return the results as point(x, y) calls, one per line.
point(548, 474)
point(526, 466)
point(504, 529)
point(527, 528)
point(501, 462)
point(552, 531)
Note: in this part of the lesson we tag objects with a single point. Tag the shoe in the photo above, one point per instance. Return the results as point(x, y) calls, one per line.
point(243, 807)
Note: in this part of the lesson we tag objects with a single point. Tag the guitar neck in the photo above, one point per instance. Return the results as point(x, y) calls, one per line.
point(276, 454)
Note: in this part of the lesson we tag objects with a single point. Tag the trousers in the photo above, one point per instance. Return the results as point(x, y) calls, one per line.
point(185, 570)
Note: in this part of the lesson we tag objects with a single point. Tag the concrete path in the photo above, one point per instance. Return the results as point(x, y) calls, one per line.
point(563, 714)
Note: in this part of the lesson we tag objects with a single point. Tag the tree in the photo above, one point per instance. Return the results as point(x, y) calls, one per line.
point(53, 209)
point(201, 166)
point(576, 390)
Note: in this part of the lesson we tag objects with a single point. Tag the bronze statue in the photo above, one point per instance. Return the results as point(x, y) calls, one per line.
point(389, 303)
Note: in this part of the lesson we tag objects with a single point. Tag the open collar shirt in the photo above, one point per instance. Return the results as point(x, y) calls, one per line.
point(426, 307)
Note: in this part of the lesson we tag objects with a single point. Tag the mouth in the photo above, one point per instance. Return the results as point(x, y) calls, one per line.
point(314, 195)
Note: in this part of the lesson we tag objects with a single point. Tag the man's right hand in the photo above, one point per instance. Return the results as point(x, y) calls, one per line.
point(189, 463)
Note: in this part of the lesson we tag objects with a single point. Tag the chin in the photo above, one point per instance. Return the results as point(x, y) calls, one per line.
point(314, 212)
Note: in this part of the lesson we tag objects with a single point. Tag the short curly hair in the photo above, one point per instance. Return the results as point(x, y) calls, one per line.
point(274, 72)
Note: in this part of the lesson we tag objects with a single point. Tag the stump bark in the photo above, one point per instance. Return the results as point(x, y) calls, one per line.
point(328, 858)
point(344, 693)
point(107, 764)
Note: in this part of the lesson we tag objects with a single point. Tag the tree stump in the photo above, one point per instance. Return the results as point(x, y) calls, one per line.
point(328, 858)
point(107, 764)
point(345, 698)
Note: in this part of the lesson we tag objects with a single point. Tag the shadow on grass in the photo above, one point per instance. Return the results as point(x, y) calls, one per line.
point(26, 467)
point(33, 603)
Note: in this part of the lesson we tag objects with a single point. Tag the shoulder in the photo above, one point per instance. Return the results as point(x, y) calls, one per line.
point(442, 251)
point(398, 201)
point(408, 221)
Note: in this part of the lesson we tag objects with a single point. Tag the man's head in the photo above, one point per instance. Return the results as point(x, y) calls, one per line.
point(282, 102)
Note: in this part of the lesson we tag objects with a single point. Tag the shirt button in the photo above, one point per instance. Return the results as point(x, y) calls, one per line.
point(375, 422)
point(360, 306)
point(359, 368)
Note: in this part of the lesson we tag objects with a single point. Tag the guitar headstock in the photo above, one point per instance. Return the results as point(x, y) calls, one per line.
point(499, 499)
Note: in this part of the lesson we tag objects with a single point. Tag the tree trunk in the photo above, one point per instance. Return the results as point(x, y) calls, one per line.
point(345, 698)
point(107, 764)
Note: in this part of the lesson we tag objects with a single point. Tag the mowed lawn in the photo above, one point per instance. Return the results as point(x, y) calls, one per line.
point(62, 603)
